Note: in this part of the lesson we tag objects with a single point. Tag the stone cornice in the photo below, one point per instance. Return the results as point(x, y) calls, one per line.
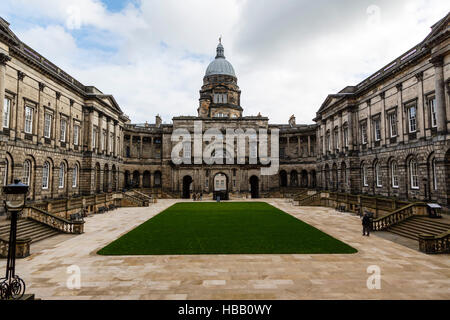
point(4, 58)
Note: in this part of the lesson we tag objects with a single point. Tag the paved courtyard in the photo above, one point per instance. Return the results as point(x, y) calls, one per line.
point(405, 273)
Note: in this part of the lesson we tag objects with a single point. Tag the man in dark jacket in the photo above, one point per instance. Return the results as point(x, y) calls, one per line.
point(367, 224)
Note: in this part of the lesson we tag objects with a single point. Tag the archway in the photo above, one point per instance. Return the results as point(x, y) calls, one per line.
point(304, 179)
point(146, 179)
point(127, 178)
point(136, 177)
point(294, 178)
point(97, 178)
point(187, 183)
point(283, 178)
point(254, 187)
point(105, 178)
point(220, 186)
point(313, 182)
point(157, 179)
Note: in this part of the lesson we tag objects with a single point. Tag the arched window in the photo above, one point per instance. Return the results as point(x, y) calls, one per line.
point(433, 172)
point(394, 174)
point(364, 175)
point(378, 175)
point(26, 172)
point(75, 176)
point(45, 175)
point(414, 174)
point(62, 171)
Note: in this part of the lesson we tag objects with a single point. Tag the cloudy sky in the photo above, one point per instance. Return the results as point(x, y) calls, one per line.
point(288, 54)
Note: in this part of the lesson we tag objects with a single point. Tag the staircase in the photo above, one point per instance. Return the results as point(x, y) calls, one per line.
point(29, 228)
point(415, 225)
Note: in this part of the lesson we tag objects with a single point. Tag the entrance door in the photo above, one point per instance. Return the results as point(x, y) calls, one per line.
point(187, 181)
point(220, 186)
point(254, 187)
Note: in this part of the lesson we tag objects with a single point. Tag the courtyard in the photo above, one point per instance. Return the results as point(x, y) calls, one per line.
point(405, 273)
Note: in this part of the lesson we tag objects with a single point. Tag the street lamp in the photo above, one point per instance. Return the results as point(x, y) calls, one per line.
point(12, 286)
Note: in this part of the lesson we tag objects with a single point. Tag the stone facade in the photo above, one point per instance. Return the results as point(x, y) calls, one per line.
point(65, 139)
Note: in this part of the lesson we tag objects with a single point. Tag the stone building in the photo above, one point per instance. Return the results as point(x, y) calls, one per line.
point(389, 135)
point(385, 136)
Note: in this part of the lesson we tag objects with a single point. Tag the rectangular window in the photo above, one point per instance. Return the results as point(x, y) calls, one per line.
point(111, 142)
point(412, 119)
point(76, 134)
point(392, 124)
point(346, 136)
point(336, 139)
point(104, 140)
point(432, 104)
point(363, 133)
point(377, 128)
point(94, 138)
point(28, 119)
point(6, 112)
point(47, 125)
point(63, 130)
point(220, 98)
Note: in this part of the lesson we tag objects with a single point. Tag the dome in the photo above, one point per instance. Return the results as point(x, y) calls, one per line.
point(220, 66)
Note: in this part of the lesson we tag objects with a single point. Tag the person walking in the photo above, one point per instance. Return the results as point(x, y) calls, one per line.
point(366, 223)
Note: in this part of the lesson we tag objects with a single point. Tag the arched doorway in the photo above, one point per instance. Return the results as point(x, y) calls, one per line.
point(254, 187)
point(127, 178)
point(283, 178)
point(136, 178)
point(294, 178)
point(146, 179)
point(105, 178)
point(157, 179)
point(304, 179)
point(187, 183)
point(313, 182)
point(220, 186)
point(97, 178)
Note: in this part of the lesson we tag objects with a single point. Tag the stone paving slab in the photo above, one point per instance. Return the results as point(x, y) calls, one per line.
point(405, 273)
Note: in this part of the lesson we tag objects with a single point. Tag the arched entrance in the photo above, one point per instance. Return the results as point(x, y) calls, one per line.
point(187, 182)
point(220, 186)
point(283, 178)
point(127, 183)
point(304, 179)
point(254, 187)
point(294, 178)
point(136, 178)
point(146, 179)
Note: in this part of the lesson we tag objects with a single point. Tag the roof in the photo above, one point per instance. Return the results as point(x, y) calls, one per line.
point(220, 65)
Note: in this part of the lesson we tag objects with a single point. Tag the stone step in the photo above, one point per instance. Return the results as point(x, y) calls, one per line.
point(424, 228)
point(436, 222)
point(405, 234)
point(30, 229)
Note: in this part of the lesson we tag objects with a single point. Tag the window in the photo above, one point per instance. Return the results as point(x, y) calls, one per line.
point(94, 138)
point(328, 141)
point(378, 175)
point(63, 130)
point(62, 170)
point(45, 175)
point(377, 128)
point(432, 104)
point(414, 174)
point(26, 172)
point(364, 175)
point(111, 142)
point(392, 124)
point(221, 115)
point(394, 174)
point(28, 119)
point(220, 98)
point(206, 183)
point(364, 133)
point(75, 176)
point(433, 172)
point(336, 138)
point(76, 134)
point(412, 119)
point(6, 112)
point(47, 124)
point(345, 136)
point(103, 147)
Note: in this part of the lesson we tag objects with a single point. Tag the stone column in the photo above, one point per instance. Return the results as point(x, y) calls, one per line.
point(333, 149)
point(116, 129)
point(420, 106)
point(341, 141)
point(350, 129)
point(400, 120)
point(3, 60)
point(288, 151)
point(108, 138)
point(324, 135)
point(299, 145)
point(438, 63)
point(382, 120)
point(140, 146)
point(309, 146)
point(369, 125)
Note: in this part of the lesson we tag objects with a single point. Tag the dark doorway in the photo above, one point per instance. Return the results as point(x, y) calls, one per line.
point(187, 181)
point(254, 187)
point(220, 186)
point(283, 178)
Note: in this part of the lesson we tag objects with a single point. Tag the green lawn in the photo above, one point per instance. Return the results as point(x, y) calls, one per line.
point(224, 228)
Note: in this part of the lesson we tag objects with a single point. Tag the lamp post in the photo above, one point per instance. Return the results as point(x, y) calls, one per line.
point(12, 286)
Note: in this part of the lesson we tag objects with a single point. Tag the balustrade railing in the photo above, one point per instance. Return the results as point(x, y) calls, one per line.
point(435, 244)
point(393, 217)
point(55, 222)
